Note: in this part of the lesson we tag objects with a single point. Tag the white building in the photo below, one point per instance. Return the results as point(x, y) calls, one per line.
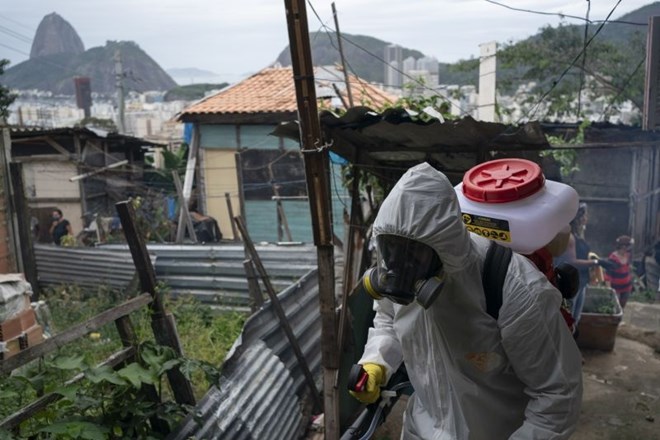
point(393, 66)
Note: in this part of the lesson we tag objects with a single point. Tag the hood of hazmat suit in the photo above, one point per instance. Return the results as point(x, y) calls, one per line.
point(519, 377)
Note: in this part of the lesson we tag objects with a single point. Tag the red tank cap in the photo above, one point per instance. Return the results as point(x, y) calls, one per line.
point(502, 180)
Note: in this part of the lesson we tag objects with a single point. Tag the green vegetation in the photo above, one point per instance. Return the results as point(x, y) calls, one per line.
point(192, 92)
point(567, 157)
point(113, 404)
point(644, 296)
point(6, 98)
point(553, 60)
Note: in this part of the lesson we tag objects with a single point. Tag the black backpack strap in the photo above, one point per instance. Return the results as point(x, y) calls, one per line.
point(496, 266)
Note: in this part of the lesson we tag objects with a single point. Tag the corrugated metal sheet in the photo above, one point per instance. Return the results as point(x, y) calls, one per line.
point(262, 390)
point(213, 274)
point(86, 267)
point(28, 132)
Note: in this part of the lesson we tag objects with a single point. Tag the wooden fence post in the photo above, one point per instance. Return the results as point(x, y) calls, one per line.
point(279, 312)
point(24, 230)
point(181, 387)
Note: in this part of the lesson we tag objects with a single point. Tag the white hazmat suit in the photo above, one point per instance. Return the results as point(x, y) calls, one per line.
point(474, 378)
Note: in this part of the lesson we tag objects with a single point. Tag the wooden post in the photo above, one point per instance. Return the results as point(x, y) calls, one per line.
point(13, 251)
point(350, 252)
point(24, 230)
point(279, 311)
point(343, 60)
point(230, 210)
point(190, 176)
point(239, 183)
point(278, 213)
point(180, 232)
point(183, 392)
point(253, 286)
point(318, 189)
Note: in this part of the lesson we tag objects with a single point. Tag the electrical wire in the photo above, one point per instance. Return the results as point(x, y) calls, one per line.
point(626, 83)
point(18, 36)
point(39, 59)
point(570, 66)
point(16, 22)
point(419, 83)
point(562, 15)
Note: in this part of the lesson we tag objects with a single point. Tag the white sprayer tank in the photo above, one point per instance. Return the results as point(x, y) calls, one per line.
point(510, 201)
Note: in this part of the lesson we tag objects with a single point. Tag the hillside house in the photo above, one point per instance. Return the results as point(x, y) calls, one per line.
point(236, 152)
point(51, 157)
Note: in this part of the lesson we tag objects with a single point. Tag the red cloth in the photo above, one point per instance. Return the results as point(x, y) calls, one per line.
point(542, 259)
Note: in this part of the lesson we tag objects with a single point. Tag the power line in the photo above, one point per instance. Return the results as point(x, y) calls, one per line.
point(14, 49)
point(325, 27)
point(562, 15)
point(570, 66)
point(421, 84)
point(17, 22)
point(627, 82)
point(15, 34)
point(40, 59)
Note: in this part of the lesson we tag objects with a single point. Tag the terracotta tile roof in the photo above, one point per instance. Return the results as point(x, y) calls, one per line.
point(272, 91)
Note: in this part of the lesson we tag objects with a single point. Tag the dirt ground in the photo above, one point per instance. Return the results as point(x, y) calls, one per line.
point(621, 388)
point(621, 391)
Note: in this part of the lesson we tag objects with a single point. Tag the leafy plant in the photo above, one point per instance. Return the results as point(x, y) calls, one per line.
point(114, 403)
point(6, 98)
point(68, 241)
point(567, 157)
point(109, 403)
point(151, 218)
point(645, 296)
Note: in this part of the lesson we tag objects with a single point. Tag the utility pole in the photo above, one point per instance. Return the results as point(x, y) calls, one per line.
point(119, 84)
point(341, 55)
point(317, 167)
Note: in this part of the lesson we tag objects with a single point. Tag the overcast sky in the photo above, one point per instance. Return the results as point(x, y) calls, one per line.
point(236, 38)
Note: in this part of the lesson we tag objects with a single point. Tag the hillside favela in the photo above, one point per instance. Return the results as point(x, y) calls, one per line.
point(312, 220)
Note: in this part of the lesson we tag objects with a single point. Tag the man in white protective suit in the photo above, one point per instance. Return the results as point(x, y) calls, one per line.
point(475, 377)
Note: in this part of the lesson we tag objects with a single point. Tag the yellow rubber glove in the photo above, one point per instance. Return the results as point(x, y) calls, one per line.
point(371, 391)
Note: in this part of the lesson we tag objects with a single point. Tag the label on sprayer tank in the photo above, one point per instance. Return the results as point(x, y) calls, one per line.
point(492, 228)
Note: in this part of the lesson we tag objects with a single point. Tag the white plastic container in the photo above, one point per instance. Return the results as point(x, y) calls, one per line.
point(509, 201)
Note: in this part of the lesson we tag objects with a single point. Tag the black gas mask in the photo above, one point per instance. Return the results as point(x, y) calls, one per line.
point(406, 271)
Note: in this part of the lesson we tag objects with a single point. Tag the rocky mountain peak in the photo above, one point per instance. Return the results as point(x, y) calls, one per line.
point(55, 35)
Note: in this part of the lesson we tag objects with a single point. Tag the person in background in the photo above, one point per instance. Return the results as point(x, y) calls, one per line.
point(516, 377)
point(59, 227)
point(618, 272)
point(577, 255)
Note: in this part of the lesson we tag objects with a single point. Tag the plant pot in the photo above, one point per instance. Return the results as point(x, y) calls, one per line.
point(600, 319)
